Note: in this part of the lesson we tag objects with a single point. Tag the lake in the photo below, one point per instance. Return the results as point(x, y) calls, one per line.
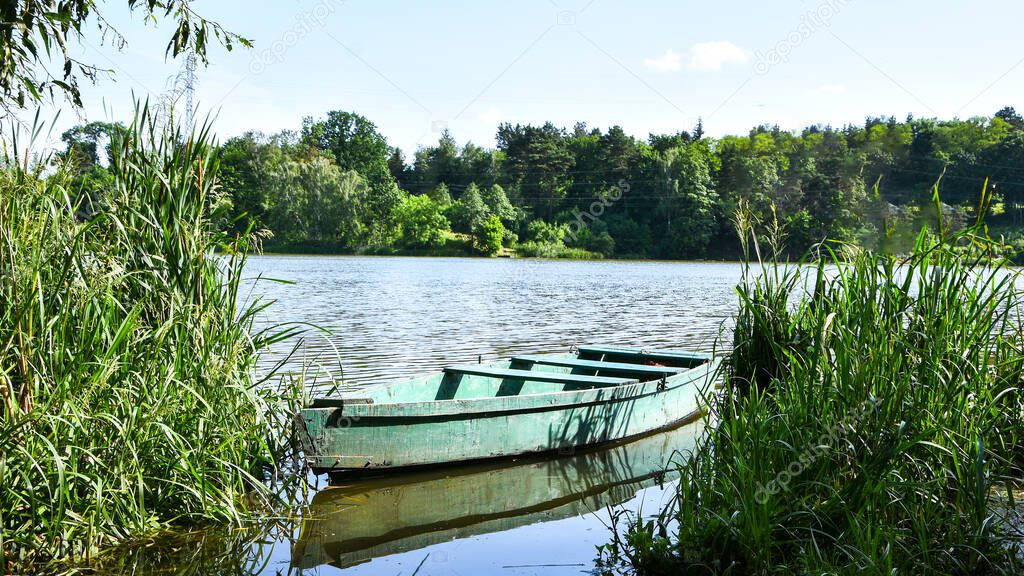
point(383, 319)
point(391, 318)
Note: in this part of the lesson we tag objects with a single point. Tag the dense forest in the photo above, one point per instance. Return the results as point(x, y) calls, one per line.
point(336, 185)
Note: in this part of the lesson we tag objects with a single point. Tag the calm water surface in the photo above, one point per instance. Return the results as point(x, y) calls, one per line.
point(390, 318)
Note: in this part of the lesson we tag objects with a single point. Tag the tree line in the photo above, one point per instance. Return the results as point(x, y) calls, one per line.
point(336, 185)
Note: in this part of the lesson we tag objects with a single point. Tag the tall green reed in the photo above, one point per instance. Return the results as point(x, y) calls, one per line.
point(128, 392)
point(872, 424)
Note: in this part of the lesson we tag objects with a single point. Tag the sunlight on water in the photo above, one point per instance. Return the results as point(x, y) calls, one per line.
point(391, 318)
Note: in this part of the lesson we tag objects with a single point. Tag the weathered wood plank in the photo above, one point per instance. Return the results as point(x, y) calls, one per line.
point(481, 370)
point(646, 353)
point(600, 365)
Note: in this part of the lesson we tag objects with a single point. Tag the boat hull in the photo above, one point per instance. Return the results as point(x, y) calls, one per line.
point(383, 436)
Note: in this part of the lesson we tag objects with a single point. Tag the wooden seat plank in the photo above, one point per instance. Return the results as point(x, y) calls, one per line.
point(651, 354)
point(600, 365)
point(539, 376)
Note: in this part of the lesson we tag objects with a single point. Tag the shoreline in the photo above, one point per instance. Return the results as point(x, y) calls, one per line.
point(506, 254)
point(479, 257)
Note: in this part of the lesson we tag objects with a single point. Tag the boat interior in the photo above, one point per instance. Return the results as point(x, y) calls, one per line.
point(591, 367)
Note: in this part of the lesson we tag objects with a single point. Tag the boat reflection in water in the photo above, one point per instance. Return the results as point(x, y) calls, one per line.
point(353, 523)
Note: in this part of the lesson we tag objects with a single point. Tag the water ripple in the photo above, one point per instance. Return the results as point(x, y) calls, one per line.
point(392, 318)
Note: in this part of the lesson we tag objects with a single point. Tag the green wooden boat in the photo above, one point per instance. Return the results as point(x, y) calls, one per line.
point(524, 405)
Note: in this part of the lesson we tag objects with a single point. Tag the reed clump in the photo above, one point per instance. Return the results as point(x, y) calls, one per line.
point(872, 424)
point(128, 393)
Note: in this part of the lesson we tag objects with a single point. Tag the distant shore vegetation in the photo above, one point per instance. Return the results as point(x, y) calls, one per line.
point(336, 186)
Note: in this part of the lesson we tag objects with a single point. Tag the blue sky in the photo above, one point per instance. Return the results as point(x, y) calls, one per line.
point(414, 68)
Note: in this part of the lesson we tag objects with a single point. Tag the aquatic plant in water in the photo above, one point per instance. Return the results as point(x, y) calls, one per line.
point(872, 424)
point(128, 396)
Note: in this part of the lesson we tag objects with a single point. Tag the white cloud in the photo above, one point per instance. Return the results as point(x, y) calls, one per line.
point(712, 55)
point(666, 62)
point(491, 116)
point(830, 89)
point(701, 56)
